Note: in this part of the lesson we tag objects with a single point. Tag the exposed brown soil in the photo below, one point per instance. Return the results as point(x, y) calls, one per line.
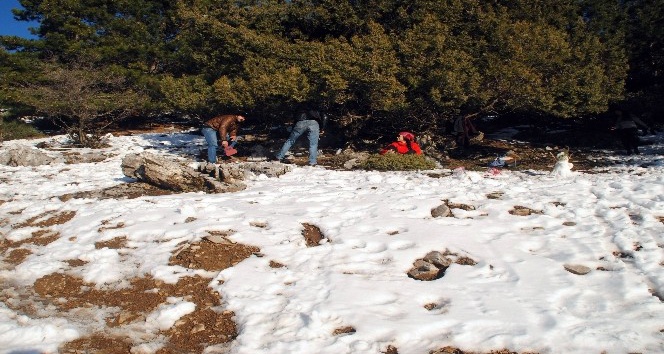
point(65, 295)
point(116, 243)
point(48, 219)
point(17, 256)
point(212, 256)
point(312, 234)
point(208, 325)
point(97, 343)
point(121, 191)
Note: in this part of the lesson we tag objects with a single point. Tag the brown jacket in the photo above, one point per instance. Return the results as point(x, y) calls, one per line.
point(224, 124)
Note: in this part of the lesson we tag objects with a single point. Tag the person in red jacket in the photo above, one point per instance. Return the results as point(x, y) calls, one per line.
point(405, 144)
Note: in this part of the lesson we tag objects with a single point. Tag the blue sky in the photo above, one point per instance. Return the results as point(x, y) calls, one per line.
point(8, 25)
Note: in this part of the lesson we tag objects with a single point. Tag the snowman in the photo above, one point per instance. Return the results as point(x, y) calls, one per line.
point(562, 167)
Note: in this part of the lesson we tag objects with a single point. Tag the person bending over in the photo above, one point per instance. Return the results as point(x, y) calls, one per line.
point(307, 121)
point(226, 126)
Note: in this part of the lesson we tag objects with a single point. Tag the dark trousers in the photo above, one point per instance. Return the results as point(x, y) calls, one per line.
point(462, 140)
point(630, 139)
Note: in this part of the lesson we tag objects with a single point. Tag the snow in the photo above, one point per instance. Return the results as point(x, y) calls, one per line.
point(165, 317)
point(518, 296)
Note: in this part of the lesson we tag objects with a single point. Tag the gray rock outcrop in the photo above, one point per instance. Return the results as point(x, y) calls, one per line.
point(441, 211)
point(21, 155)
point(172, 175)
point(178, 176)
point(577, 269)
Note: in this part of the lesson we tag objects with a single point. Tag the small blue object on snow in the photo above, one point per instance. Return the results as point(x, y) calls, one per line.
point(502, 161)
point(498, 162)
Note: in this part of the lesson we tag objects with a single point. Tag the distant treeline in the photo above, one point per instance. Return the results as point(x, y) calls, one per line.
point(367, 62)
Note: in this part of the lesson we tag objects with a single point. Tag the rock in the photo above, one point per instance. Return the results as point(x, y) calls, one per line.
point(351, 164)
point(187, 179)
point(312, 234)
point(577, 269)
point(125, 317)
point(495, 195)
point(240, 171)
point(75, 157)
point(520, 211)
point(197, 328)
point(460, 206)
point(218, 239)
point(425, 271)
point(477, 137)
point(344, 330)
point(21, 155)
point(524, 211)
point(352, 159)
point(172, 175)
point(441, 211)
point(259, 224)
point(438, 259)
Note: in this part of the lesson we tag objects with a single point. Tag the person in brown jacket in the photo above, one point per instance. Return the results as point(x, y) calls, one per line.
point(226, 126)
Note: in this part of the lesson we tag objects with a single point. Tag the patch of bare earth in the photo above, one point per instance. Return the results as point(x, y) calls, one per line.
point(14, 253)
point(17, 256)
point(120, 327)
point(48, 219)
point(115, 243)
point(208, 325)
point(212, 256)
point(312, 234)
point(97, 343)
point(121, 191)
point(40, 237)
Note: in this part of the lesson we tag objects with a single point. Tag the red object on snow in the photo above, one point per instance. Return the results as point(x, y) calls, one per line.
point(230, 151)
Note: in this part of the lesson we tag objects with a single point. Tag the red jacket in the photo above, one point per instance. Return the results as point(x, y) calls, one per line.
point(402, 148)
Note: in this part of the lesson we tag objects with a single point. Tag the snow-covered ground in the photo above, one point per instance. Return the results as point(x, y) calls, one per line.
point(518, 296)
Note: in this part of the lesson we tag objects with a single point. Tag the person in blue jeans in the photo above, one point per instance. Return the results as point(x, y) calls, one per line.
point(311, 122)
point(227, 127)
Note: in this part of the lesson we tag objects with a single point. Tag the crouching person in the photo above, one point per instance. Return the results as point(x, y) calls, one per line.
point(405, 144)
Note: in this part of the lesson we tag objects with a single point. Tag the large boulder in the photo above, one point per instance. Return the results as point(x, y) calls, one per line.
point(21, 155)
point(172, 175)
point(242, 170)
point(178, 176)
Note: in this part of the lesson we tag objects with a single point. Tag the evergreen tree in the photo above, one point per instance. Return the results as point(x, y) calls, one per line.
point(645, 39)
point(387, 61)
point(83, 100)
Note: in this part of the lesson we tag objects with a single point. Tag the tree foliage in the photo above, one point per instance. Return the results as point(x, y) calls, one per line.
point(83, 100)
point(382, 62)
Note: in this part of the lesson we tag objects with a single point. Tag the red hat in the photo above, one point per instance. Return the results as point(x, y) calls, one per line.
point(407, 135)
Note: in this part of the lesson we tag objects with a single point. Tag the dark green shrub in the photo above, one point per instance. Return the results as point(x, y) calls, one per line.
point(14, 129)
point(397, 162)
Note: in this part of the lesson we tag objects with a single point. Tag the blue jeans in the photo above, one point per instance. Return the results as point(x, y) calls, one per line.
point(312, 129)
point(212, 142)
